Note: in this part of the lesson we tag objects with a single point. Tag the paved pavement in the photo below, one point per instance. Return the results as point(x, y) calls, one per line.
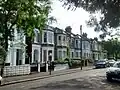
point(74, 81)
point(41, 75)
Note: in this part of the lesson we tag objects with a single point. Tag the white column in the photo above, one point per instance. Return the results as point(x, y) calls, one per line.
point(23, 59)
point(39, 61)
point(53, 55)
point(14, 57)
point(32, 54)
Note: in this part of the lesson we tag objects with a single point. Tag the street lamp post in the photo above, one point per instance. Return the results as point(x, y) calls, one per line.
point(81, 44)
point(50, 59)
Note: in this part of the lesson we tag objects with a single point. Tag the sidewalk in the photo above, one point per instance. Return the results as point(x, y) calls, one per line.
point(41, 75)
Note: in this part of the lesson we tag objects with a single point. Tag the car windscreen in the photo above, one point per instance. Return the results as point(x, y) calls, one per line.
point(117, 65)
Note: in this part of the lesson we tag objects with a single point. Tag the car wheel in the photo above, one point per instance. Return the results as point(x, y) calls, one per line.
point(109, 78)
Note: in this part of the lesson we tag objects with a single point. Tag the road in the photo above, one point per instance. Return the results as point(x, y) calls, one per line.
point(83, 80)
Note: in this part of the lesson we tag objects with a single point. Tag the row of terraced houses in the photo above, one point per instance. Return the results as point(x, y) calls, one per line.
point(52, 40)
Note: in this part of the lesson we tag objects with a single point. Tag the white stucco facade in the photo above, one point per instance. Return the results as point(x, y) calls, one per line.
point(16, 50)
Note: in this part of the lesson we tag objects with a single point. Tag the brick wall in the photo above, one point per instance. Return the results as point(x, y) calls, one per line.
point(61, 67)
point(16, 70)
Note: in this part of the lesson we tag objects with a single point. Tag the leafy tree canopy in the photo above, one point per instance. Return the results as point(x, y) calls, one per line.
point(22, 14)
point(112, 46)
point(109, 9)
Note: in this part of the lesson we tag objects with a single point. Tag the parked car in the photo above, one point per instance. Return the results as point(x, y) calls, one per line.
point(110, 63)
point(113, 72)
point(101, 64)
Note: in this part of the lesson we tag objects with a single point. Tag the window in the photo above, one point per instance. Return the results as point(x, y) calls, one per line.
point(84, 54)
point(72, 42)
point(84, 46)
point(44, 55)
point(77, 54)
point(36, 53)
point(64, 38)
point(87, 55)
point(45, 37)
point(77, 43)
point(60, 54)
point(59, 38)
point(64, 53)
point(50, 52)
point(50, 39)
point(37, 37)
point(18, 34)
point(72, 54)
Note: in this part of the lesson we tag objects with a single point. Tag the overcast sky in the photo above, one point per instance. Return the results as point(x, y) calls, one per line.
point(71, 18)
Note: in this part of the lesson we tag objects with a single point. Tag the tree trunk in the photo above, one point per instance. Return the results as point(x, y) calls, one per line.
point(116, 56)
point(29, 50)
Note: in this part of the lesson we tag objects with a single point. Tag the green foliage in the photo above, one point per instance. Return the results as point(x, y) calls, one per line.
point(22, 14)
point(113, 47)
point(60, 61)
point(109, 10)
point(2, 55)
point(25, 15)
point(75, 63)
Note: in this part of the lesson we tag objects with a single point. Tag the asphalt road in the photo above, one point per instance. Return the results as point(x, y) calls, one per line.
point(83, 80)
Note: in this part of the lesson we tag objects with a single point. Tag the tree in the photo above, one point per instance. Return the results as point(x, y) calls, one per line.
point(22, 15)
point(113, 47)
point(109, 9)
point(68, 31)
point(2, 54)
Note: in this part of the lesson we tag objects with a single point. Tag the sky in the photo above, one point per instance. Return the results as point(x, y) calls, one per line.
point(71, 18)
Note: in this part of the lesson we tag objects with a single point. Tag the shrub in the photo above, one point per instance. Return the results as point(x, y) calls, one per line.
point(60, 61)
point(75, 63)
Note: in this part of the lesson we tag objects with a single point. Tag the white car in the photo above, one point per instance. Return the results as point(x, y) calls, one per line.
point(113, 72)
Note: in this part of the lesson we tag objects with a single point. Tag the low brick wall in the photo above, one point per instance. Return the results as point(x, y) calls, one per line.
point(16, 70)
point(61, 67)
